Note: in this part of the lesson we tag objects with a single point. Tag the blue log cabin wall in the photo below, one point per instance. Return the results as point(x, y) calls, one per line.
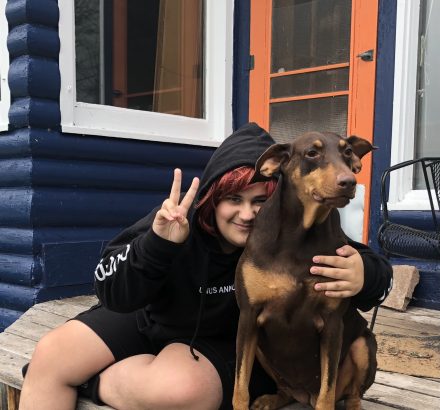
point(63, 196)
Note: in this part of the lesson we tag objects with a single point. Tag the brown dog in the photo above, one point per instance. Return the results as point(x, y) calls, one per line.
point(317, 349)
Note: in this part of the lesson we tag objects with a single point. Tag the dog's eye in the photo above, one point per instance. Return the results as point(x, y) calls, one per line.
point(312, 154)
point(348, 152)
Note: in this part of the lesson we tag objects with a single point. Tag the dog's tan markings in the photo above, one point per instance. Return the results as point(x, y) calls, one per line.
point(327, 392)
point(353, 374)
point(247, 342)
point(261, 285)
point(269, 167)
point(306, 185)
point(342, 143)
point(318, 144)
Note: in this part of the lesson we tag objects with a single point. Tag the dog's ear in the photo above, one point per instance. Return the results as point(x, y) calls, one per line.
point(360, 148)
point(271, 160)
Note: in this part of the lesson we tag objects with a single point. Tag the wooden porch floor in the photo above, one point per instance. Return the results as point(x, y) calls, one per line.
point(409, 353)
point(408, 359)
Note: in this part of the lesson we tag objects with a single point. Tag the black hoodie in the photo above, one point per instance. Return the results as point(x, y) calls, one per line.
point(164, 280)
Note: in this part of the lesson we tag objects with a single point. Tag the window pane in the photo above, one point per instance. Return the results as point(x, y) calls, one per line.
point(309, 83)
point(428, 94)
point(294, 118)
point(315, 33)
point(141, 55)
point(87, 50)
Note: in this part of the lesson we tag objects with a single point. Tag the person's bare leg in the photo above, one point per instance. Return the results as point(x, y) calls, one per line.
point(171, 380)
point(66, 357)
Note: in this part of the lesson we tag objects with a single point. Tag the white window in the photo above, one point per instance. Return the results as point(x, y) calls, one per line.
point(5, 98)
point(416, 99)
point(159, 70)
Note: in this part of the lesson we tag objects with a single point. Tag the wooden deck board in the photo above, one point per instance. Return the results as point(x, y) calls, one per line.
point(390, 390)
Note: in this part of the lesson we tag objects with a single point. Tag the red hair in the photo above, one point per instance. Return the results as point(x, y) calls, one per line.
point(230, 183)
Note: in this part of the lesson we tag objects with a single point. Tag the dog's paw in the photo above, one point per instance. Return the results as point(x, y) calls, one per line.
point(268, 402)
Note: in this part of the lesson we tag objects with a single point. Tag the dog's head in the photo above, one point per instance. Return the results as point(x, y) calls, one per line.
point(321, 166)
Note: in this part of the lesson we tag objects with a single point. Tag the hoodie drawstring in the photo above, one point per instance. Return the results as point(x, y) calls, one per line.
point(201, 304)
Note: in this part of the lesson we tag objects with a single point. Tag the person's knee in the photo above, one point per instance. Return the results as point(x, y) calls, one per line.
point(47, 352)
point(145, 390)
point(71, 354)
point(181, 392)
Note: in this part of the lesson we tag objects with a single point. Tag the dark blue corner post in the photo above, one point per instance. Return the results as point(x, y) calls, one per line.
point(383, 110)
point(34, 82)
point(63, 196)
point(241, 62)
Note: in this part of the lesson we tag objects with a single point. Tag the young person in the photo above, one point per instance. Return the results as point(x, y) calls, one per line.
point(163, 335)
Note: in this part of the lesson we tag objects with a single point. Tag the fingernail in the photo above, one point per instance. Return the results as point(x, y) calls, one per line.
point(315, 259)
point(318, 286)
point(313, 269)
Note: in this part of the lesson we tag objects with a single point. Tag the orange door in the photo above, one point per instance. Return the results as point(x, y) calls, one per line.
point(314, 69)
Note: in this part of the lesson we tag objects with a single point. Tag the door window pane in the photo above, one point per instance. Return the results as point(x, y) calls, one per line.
point(144, 55)
point(427, 143)
point(310, 33)
point(293, 118)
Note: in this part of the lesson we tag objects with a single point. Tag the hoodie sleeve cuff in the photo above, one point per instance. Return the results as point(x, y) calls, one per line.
point(369, 273)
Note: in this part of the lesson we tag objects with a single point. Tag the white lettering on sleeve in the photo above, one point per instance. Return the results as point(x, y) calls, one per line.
point(102, 271)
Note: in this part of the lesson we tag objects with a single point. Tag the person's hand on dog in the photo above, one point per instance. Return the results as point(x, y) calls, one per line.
point(347, 270)
point(170, 222)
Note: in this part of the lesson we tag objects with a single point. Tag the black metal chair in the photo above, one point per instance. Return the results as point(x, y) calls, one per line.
point(401, 240)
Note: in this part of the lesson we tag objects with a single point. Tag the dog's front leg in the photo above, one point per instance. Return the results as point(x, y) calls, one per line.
point(246, 347)
point(331, 342)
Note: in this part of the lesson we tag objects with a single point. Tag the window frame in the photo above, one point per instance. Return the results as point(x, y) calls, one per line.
point(5, 98)
point(401, 195)
point(104, 120)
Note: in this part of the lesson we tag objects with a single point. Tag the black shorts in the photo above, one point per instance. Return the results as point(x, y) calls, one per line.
point(120, 333)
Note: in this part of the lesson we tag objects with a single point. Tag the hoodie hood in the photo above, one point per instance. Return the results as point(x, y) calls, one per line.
point(242, 148)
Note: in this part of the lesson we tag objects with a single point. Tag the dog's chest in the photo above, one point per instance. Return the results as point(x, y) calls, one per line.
point(263, 286)
point(279, 295)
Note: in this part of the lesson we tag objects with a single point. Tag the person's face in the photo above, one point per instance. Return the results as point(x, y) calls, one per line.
point(235, 215)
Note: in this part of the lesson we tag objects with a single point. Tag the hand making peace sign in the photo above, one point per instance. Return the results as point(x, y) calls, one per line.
point(170, 222)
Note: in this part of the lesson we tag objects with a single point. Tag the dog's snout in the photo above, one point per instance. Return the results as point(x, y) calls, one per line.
point(346, 181)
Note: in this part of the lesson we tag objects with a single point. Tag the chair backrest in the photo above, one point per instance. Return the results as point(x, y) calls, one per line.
point(434, 166)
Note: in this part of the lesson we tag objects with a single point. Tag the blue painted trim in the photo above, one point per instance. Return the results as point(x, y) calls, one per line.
point(43, 12)
point(240, 98)
point(35, 77)
point(34, 112)
point(383, 109)
point(34, 40)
